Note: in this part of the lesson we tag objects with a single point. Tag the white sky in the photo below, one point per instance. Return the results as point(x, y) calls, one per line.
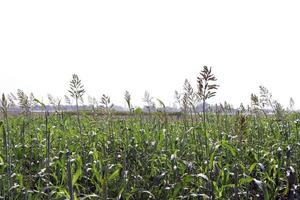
point(150, 45)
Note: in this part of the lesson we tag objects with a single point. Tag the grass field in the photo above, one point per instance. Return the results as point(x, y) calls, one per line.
point(220, 154)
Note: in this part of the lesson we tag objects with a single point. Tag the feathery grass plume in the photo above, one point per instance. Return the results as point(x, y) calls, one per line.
point(77, 91)
point(127, 98)
point(279, 110)
point(185, 108)
point(190, 94)
point(177, 97)
point(258, 104)
point(291, 104)
point(55, 102)
point(105, 101)
point(12, 99)
point(51, 99)
point(106, 105)
point(242, 108)
point(149, 101)
point(254, 101)
point(241, 124)
point(92, 100)
point(67, 100)
point(25, 102)
point(228, 107)
point(206, 87)
point(4, 105)
point(190, 98)
point(262, 103)
point(179, 100)
point(76, 87)
point(265, 99)
point(185, 102)
point(182, 101)
point(93, 103)
point(163, 110)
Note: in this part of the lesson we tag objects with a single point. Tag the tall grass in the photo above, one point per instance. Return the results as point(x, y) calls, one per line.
point(221, 153)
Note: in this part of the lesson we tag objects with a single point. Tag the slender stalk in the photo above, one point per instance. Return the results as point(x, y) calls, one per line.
point(204, 125)
point(6, 140)
point(78, 117)
point(69, 175)
point(47, 133)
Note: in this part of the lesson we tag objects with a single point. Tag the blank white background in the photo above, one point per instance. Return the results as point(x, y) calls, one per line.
point(150, 45)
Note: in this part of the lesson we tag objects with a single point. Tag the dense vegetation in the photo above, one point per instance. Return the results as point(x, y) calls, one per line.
point(220, 153)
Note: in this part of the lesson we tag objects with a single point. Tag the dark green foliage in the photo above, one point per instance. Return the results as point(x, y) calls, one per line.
point(247, 154)
point(127, 159)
